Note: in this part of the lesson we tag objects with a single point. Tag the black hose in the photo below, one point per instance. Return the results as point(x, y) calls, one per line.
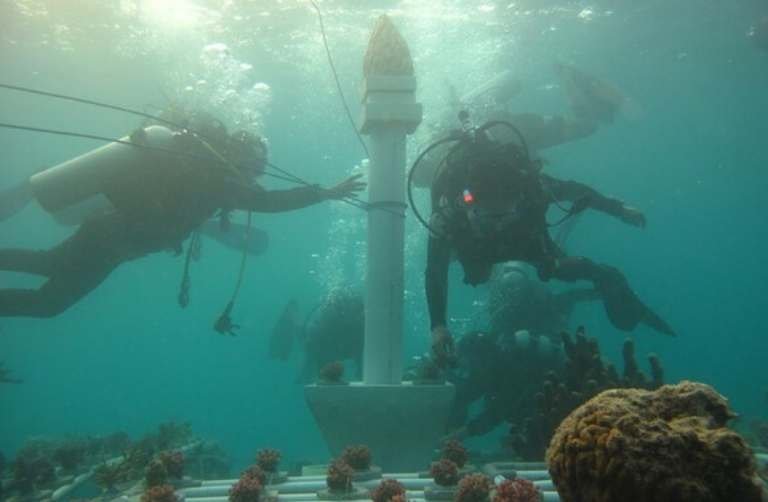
point(414, 168)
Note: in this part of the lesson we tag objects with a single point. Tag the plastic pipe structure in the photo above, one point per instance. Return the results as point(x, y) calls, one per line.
point(305, 488)
point(390, 112)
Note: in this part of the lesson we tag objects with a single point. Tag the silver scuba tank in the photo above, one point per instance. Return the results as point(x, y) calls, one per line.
point(74, 190)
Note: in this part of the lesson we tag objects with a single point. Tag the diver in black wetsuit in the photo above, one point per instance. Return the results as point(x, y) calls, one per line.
point(157, 205)
point(518, 301)
point(502, 370)
point(489, 206)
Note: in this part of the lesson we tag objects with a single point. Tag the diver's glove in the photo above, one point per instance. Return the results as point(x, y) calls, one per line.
point(632, 216)
point(224, 324)
point(443, 348)
point(350, 187)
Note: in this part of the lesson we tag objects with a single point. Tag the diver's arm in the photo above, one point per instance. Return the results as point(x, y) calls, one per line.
point(436, 280)
point(573, 191)
point(277, 201)
point(238, 195)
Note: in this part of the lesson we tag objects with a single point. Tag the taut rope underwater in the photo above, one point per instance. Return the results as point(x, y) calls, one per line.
point(286, 175)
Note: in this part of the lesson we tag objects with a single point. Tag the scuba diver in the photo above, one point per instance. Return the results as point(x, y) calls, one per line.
point(517, 301)
point(591, 101)
point(334, 331)
point(505, 371)
point(143, 194)
point(489, 205)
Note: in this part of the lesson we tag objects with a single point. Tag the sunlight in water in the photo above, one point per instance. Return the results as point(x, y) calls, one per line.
point(174, 14)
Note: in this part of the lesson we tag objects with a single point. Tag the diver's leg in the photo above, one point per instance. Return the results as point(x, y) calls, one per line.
point(59, 293)
point(47, 262)
point(547, 131)
point(27, 261)
point(75, 267)
point(15, 199)
point(589, 98)
point(624, 308)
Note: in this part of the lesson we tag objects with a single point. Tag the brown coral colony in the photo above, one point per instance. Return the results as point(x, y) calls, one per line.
point(667, 445)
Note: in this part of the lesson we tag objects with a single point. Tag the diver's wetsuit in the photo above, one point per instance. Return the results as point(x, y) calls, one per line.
point(489, 365)
point(158, 208)
point(528, 240)
point(518, 302)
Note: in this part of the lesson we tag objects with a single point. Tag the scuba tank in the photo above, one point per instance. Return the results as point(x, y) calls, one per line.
point(75, 190)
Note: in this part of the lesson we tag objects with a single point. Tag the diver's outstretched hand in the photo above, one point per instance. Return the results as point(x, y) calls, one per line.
point(443, 349)
point(347, 188)
point(632, 216)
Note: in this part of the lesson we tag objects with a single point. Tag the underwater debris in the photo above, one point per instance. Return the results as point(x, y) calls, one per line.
point(268, 460)
point(357, 457)
point(516, 490)
point(637, 445)
point(162, 493)
point(474, 488)
point(247, 489)
point(389, 490)
point(444, 472)
point(584, 375)
point(454, 451)
point(332, 373)
point(339, 476)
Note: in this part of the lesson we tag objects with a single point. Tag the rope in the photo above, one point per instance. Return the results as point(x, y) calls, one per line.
point(336, 79)
point(89, 102)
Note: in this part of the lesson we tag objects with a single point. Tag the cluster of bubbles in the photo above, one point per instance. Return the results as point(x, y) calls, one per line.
point(344, 261)
point(223, 84)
